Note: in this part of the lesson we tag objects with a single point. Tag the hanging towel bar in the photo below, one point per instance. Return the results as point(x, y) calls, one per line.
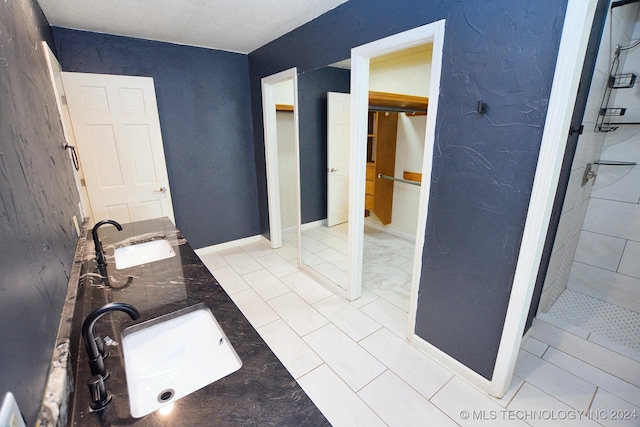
point(393, 178)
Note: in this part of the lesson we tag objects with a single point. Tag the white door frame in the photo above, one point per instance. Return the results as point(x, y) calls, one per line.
point(55, 70)
point(575, 34)
point(360, 58)
point(271, 150)
point(573, 46)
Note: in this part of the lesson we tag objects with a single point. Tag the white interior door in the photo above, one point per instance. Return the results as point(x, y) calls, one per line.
point(117, 131)
point(338, 131)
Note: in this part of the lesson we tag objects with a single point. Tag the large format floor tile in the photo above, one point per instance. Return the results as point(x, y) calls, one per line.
point(344, 356)
point(354, 361)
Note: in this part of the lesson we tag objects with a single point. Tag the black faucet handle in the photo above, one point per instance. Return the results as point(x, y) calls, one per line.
point(100, 345)
point(100, 397)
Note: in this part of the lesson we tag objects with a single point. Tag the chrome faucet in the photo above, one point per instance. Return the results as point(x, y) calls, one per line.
point(96, 241)
point(93, 344)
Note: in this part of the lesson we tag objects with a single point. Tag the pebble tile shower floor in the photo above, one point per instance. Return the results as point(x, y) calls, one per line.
point(598, 317)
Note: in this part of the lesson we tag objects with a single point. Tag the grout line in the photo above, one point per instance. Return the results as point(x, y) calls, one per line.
point(622, 256)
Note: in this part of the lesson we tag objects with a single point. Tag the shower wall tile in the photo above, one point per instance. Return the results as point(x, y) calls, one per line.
point(618, 29)
point(617, 182)
point(600, 250)
point(596, 91)
point(630, 264)
point(622, 145)
point(613, 218)
point(564, 232)
point(605, 285)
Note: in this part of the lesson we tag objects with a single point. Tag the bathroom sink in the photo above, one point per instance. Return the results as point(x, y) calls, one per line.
point(142, 253)
point(171, 356)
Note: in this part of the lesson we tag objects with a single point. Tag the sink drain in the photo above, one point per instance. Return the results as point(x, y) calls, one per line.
point(166, 395)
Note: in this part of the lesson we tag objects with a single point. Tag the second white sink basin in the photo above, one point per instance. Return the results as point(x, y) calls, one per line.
point(142, 253)
point(171, 356)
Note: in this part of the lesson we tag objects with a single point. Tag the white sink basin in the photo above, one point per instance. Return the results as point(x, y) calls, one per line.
point(142, 253)
point(171, 356)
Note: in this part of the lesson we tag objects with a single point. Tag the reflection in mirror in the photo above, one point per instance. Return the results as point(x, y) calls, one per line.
point(279, 107)
point(287, 167)
point(324, 248)
point(398, 99)
point(398, 84)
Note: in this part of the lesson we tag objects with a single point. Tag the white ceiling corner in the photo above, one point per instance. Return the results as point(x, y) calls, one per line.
point(232, 25)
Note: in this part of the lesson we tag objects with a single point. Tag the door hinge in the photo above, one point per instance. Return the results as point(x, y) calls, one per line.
point(82, 182)
point(576, 130)
point(63, 99)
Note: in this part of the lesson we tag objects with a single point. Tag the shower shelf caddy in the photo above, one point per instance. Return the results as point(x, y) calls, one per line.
point(615, 81)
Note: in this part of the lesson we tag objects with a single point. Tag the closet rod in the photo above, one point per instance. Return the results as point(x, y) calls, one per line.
point(393, 178)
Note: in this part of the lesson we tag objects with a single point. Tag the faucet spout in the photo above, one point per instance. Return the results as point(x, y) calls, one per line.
point(96, 359)
point(96, 241)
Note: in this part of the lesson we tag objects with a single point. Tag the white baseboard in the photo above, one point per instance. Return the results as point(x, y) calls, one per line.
point(312, 224)
point(226, 245)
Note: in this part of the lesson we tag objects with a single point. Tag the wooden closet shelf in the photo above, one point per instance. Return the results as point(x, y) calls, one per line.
point(396, 100)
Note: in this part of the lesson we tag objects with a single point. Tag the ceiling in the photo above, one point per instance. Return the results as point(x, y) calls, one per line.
point(232, 25)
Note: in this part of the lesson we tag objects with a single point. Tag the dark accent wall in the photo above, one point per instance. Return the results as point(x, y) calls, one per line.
point(38, 199)
point(205, 118)
point(501, 52)
point(312, 116)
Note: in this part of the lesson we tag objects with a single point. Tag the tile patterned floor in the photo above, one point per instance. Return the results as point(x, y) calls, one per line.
point(610, 321)
point(387, 260)
point(353, 361)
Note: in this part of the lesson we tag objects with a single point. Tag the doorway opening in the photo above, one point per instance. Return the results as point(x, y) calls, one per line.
point(364, 60)
point(593, 281)
point(280, 115)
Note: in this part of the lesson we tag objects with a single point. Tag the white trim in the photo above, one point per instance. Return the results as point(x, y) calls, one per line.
point(425, 185)
point(451, 364)
point(271, 149)
point(231, 244)
point(313, 224)
point(360, 57)
point(573, 44)
point(55, 70)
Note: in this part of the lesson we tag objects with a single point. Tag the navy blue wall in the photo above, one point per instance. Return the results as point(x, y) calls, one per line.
point(312, 114)
point(204, 107)
point(38, 199)
point(502, 52)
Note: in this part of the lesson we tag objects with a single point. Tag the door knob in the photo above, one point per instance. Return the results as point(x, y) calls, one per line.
point(333, 170)
point(160, 190)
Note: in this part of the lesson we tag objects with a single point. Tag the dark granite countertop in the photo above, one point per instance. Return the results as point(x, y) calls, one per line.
point(261, 392)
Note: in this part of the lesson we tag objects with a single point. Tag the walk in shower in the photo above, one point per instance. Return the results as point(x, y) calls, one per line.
point(592, 285)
